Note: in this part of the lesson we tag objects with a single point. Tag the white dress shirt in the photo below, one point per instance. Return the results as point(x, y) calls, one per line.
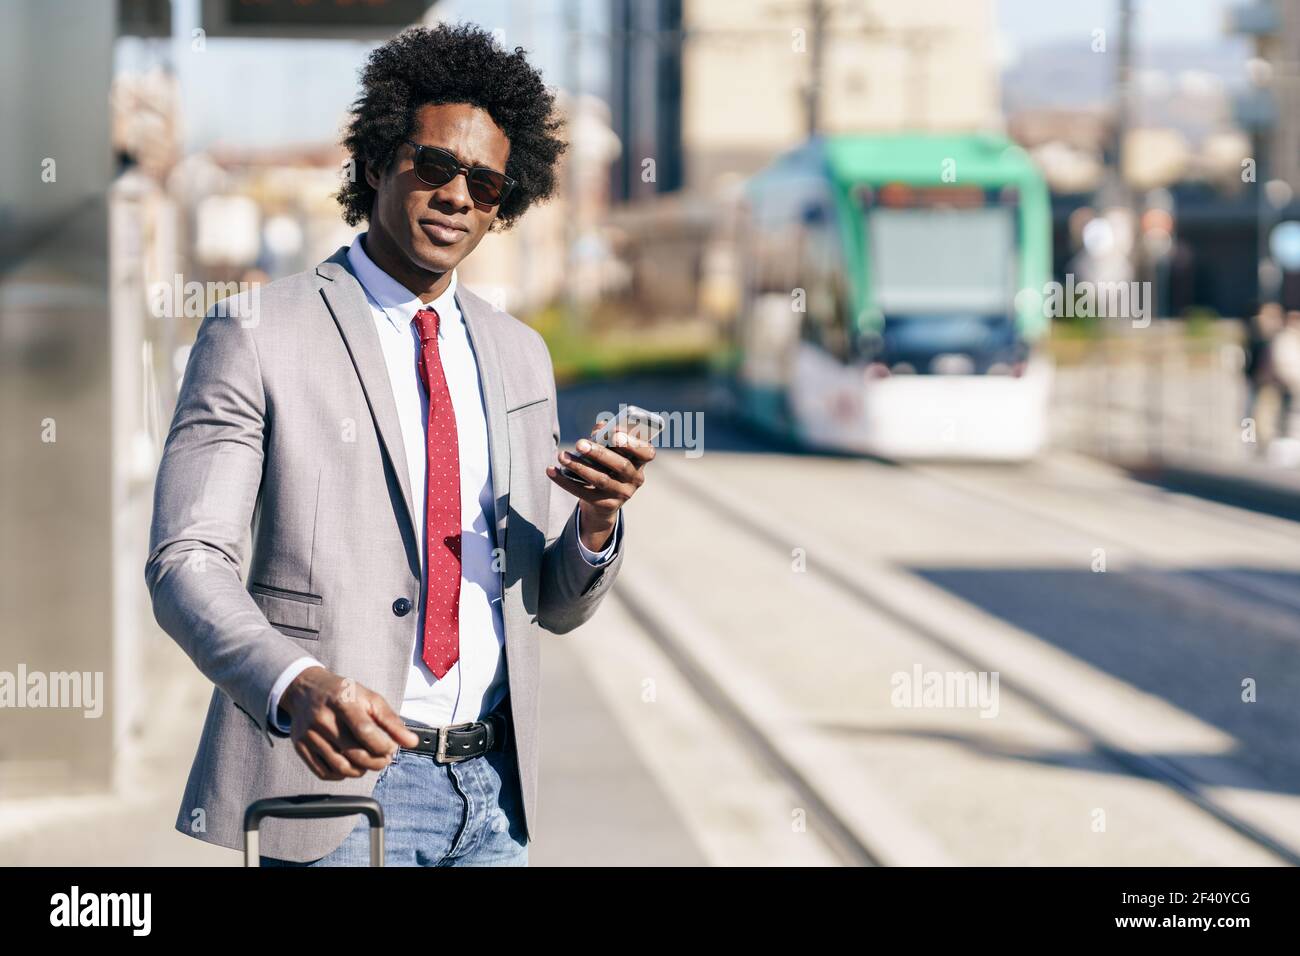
point(476, 683)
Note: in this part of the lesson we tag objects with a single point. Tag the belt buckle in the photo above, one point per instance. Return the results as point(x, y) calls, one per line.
point(440, 755)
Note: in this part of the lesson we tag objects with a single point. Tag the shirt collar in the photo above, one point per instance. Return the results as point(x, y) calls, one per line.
point(394, 299)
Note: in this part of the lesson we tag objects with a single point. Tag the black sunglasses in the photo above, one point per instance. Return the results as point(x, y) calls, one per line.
point(437, 167)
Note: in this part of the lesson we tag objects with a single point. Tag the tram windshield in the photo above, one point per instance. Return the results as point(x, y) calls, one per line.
point(934, 261)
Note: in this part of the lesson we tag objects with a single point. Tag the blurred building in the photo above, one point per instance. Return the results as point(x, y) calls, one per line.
point(1271, 107)
point(645, 95)
point(749, 70)
point(707, 92)
point(1194, 147)
point(1269, 110)
point(59, 487)
point(558, 249)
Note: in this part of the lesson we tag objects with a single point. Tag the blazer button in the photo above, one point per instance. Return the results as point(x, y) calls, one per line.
point(401, 606)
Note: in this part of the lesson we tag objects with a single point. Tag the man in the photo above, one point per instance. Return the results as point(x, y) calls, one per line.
point(391, 437)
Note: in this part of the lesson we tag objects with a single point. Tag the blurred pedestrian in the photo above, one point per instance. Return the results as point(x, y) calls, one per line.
point(1284, 370)
point(1264, 326)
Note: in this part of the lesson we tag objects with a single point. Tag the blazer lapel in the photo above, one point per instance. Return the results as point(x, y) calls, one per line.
point(480, 323)
point(347, 303)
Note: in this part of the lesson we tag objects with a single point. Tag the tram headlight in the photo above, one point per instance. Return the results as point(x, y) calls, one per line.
point(1014, 369)
point(952, 363)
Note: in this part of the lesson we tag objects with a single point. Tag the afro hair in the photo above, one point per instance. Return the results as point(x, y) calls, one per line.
point(452, 64)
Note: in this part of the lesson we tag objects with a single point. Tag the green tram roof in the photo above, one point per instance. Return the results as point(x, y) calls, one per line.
point(913, 158)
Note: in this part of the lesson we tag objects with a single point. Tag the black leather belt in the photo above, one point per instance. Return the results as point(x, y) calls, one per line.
point(457, 742)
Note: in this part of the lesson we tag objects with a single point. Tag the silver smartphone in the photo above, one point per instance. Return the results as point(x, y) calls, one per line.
point(632, 419)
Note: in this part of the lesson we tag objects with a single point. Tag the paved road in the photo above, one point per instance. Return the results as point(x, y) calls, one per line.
point(1129, 628)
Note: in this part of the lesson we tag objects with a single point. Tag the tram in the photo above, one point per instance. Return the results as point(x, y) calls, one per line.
point(890, 297)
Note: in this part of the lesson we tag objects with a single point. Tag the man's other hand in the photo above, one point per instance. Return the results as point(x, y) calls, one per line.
point(339, 727)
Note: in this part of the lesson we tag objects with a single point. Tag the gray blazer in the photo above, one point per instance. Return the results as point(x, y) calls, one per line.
point(286, 438)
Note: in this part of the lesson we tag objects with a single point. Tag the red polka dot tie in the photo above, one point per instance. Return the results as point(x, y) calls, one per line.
point(442, 508)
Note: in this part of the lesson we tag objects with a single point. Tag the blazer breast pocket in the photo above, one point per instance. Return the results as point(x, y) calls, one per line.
point(297, 612)
point(531, 405)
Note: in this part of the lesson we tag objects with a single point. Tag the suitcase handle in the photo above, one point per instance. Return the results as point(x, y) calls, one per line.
point(313, 806)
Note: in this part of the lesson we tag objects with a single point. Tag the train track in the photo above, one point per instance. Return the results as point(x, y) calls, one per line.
point(854, 847)
point(837, 832)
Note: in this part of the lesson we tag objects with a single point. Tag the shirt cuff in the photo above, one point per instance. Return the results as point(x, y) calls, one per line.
point(591, 557)
point(281, 684)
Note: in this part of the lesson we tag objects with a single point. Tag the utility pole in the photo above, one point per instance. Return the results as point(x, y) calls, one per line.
point(573, 79)
point(1123, 112)
point(819, 15)
point(1126, 199)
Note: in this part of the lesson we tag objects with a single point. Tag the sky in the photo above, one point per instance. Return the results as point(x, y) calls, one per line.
point(269, 92)
point(1027, 23)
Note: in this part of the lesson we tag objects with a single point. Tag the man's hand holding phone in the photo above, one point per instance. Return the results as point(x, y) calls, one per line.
point(608, 470)
point(340, 728)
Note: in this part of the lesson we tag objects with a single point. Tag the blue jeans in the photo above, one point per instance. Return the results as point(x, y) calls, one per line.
point(455, 814)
